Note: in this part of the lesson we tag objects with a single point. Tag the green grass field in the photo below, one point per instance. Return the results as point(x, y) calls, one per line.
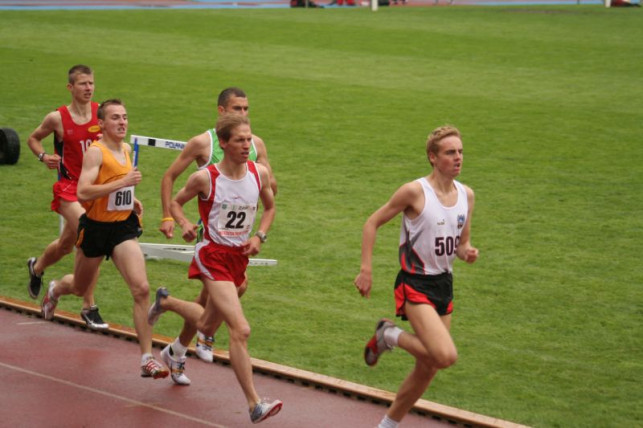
point(549, 100)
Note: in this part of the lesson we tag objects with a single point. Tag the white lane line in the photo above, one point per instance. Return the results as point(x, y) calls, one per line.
point(108, 394)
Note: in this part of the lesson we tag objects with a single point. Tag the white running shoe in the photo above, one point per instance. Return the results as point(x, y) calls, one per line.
point(154, 369)
point(377, 346)
point(176, 365)
point(204, 346)
point(48, 305)
point(265, 409)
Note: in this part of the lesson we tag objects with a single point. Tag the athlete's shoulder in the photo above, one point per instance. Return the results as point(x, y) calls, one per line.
point(464, 187)
point(258, 140)
point(199, 142)
point(54, 117)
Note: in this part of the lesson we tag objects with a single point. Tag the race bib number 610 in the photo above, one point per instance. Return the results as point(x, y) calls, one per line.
point(121, 199)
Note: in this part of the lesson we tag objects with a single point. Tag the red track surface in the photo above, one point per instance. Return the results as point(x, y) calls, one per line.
point(55, 375)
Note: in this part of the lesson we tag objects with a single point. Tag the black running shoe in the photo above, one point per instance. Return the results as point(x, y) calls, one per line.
point(93, 318)
point(35, 281)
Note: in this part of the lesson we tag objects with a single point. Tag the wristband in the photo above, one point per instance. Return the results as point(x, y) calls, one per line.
point(167, 219)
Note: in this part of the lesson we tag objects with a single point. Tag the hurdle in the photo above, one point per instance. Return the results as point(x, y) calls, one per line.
point(182, 253)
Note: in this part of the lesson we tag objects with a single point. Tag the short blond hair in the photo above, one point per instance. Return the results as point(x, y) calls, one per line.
point(229, 122)
point(436, 136)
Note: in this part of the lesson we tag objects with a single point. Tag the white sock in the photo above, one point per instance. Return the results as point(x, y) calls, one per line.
point(145, 357)
point(178, 349)
point(392, 335)
point(50, 293)
point(388, 423)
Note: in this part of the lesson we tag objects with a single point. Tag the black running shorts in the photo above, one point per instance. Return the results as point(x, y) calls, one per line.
point(98, 239)
point(434, 290)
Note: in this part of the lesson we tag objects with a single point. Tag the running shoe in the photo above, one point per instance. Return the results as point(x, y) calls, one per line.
point(377, 346)
point(155, 311)
point(35, 281)
point(204, 346)
point(176, 365)
point(48, 305)
point(153, 369)
point(93, 319)
point(264, 409)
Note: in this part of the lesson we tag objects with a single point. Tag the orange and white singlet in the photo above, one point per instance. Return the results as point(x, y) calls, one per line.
point(428, 242)
point(118, 205)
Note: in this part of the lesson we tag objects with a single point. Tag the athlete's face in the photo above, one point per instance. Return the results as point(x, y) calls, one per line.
point(448, 160)
point(82, 89)
point(237, 105)
point(114, 126)
point(238, 146)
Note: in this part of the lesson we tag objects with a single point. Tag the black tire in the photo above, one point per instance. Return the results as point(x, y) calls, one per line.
point(9, 146)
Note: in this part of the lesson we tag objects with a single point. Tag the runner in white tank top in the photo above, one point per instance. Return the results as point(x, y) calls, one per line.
point(429, 241)
point(230, 207)
point(200, 150)
point(228, 193)
point(436, 227)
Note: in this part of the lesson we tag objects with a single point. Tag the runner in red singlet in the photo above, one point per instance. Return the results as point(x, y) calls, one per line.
point(74, 126)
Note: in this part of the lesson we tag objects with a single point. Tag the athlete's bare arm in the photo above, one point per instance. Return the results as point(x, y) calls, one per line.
point(405, 199)
point(253, 245)
point(51, 124)
point(262, 158)
point(196, 150)
point(198, 184)
point(465, 250)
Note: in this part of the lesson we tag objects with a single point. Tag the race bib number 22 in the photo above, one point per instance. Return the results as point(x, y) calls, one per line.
point(235, 220)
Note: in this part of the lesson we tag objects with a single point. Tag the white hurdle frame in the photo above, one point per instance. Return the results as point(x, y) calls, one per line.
point(182, 253)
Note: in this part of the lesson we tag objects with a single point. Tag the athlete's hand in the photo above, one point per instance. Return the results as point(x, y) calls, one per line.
point(471, 255)
point(468, 254)
point(189, 231)
point(52, 161)
point(138, 208)
point(252, 246)
point(167, 228)
point(133, 177)
point(364, 282)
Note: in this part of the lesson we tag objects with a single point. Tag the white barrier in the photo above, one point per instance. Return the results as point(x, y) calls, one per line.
point(185, 253)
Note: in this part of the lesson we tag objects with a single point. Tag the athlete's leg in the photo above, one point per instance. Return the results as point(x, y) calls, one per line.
point(431, 341)
point(211, 322)
point(85, 273)
point(225, 298)
point(64, 244)
point(433, 349)
point(189, 323)
point(190, 311)
point(71, 212)
point(128, 259)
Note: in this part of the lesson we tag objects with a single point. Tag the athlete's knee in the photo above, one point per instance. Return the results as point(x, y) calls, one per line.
point(67, 242)
point(65, 248)
point(140, 291)
point(240, 333)
point(445, 357)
